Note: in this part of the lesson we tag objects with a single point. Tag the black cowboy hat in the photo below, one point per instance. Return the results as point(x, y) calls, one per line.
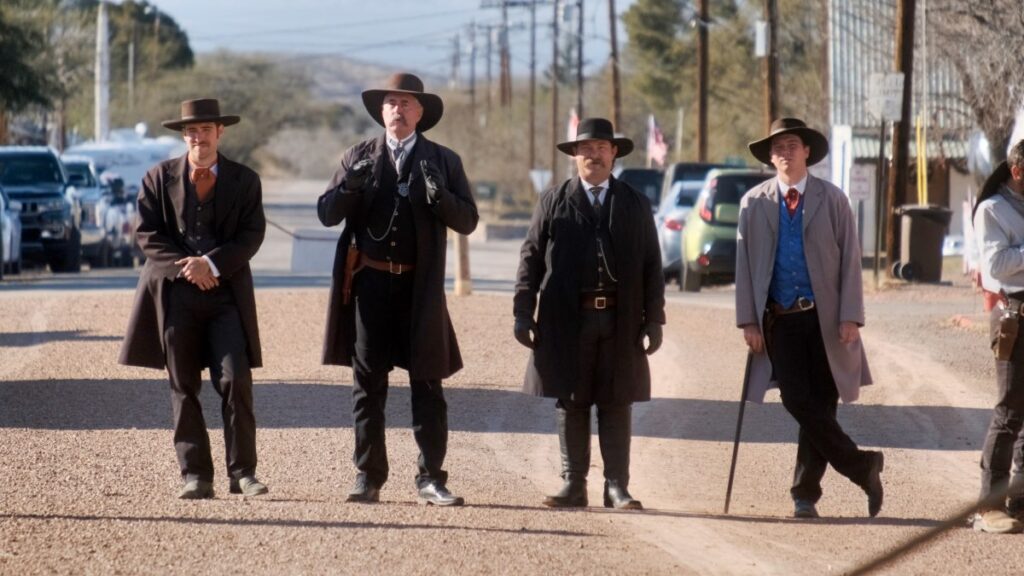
point(405, 83)
point(762, 149)
point(200, 110)
point(597, 129)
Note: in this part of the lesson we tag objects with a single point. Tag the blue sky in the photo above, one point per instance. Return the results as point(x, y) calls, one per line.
point(412, 34)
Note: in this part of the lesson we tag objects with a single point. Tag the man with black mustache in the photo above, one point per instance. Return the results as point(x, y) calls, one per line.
point(593, 248)
point(397, 194)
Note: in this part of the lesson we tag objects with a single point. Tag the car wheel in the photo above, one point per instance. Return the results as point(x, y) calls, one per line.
point(70, 260)
point(690, 280)
point(16, 266)
point(102, 259)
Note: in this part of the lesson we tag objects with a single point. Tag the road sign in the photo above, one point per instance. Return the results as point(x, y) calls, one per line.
point(885, 96)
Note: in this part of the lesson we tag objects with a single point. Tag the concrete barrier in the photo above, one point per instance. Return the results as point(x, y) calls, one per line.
point(313, 250)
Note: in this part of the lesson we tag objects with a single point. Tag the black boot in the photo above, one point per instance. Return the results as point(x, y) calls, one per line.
point(614, 429)
point(574, 442)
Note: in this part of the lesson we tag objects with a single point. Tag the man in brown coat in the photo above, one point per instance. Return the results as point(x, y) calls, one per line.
point(397, 194)
point(799, 301)
point(201, 221)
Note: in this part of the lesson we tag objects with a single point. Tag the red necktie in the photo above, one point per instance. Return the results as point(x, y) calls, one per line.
point(792, 200)
point(204, 179)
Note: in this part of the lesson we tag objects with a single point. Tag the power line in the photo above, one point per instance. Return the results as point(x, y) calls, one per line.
point(331, 27)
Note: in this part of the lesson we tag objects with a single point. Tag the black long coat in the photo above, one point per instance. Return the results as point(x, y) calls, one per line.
point(239, 228)
point(434, 351)
point(550, 265)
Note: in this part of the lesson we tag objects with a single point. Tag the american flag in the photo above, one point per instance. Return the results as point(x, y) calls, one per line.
point(657, 149)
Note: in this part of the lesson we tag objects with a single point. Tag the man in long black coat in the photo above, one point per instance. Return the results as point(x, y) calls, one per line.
point(592, 253)
point(397, 195)
point(201, 221)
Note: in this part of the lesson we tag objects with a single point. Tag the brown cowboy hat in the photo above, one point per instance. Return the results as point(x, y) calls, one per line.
point(597, 129)
point(405, 83)
point(200, 110)
point(762, 149)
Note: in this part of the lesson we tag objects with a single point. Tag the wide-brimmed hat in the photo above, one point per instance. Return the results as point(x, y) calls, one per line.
point(597, 129)
point(762, 149)
point(200, 110)
point(405, 83)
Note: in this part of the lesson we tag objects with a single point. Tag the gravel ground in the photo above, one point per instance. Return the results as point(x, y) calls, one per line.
point(88, 478)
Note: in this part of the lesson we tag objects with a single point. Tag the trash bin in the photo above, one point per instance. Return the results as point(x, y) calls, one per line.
point(922, 231)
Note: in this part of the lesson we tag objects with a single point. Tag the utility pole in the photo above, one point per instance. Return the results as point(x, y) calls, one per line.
point(102, 81)
point(472, 70)
point(131, 69)
point(554, 91)
point(770, 66)
point(702, 81)
point(453, 80)
point(505, 82)
point(897, 187)
point(579, 58)
point(533, 83)
point(490, 79)
point(616, 88)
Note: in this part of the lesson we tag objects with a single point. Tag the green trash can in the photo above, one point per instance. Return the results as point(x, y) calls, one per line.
point(922, 231)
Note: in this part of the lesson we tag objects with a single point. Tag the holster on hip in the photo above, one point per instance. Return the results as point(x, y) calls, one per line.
point(352, 261)
point(1005, 336)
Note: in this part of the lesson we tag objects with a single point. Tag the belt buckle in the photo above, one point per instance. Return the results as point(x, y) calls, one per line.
point(600, 302)
point(804, 304)
point(391, 267)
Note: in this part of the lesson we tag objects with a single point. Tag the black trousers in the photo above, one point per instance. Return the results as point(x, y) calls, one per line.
point(809, 394)
point(204, 330)
point(1004, 442)
point(383, 339)
point(597, 366)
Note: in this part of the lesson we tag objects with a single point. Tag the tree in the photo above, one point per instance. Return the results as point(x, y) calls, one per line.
point(655, 46)
point(993, 80)
point(21, 83)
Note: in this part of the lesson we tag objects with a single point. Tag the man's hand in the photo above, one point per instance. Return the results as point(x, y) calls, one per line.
point(523, 329)
point(196, 270)
point(849, 332)
point(358, 175)
point(436, 185)
point(652, 330)
point(752, 335)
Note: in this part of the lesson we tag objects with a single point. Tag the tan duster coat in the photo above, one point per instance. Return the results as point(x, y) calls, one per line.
point(833, 261)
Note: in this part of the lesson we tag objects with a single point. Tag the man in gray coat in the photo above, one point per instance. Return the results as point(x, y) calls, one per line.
point(800, 304)
point(592, 254)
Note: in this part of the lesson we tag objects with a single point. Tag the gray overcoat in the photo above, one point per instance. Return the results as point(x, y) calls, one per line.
point(833, 261)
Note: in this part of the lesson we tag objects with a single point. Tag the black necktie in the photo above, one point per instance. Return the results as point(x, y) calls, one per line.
point(596, 191)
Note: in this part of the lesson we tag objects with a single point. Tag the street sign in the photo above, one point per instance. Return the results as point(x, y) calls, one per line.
point(885, 96)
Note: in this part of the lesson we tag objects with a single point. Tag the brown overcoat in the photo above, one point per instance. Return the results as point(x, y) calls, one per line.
point(239, 229)
point(832, 252)
point(434, 350)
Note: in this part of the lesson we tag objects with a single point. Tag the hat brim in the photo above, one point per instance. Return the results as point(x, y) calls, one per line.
point(993, 183)
point(762, 149)
point(623, 146)
point(433, 106)
point(179, 124)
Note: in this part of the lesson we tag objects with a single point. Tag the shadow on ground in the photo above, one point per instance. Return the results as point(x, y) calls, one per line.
point(145, 404)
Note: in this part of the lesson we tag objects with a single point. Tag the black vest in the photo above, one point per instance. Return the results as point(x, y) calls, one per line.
point(598, 271)
point(199, 221)
point(390, 233)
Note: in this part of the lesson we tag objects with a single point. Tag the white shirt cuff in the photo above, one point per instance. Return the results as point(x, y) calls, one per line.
point(213, 267)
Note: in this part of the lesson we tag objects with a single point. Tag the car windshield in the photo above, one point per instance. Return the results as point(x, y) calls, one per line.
point(648, 182)
point(21, 170)
point(686, 192)
point(729, 189)
point(80, 175)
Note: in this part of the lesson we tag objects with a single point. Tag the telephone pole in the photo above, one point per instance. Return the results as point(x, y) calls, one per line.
point(453, 81)
point(472, 70)
point(533, 83)
point(579, 58)
point(616, 89)
point(554, 91)
point(505, 81)
point(770, 66)
point(702, 81)
point(897, 187)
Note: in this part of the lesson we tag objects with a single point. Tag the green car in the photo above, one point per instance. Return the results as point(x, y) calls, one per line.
point(709, 234)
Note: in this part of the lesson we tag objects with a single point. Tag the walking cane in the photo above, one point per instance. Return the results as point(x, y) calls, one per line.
point(739, 429)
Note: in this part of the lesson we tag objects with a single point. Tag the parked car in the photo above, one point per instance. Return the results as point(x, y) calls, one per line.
point(10, 235)
point(709, 240)
point(34, 176)
point(681, 185)
point(647, 181)
point(93, 203)
point(120, 221)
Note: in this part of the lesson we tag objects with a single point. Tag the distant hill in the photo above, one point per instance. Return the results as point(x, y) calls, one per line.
point(339, 79)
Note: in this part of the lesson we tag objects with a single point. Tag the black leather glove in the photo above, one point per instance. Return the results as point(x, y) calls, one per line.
point(358, 175)
point(522, 330)
point(652, 331)
point(436, 185)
